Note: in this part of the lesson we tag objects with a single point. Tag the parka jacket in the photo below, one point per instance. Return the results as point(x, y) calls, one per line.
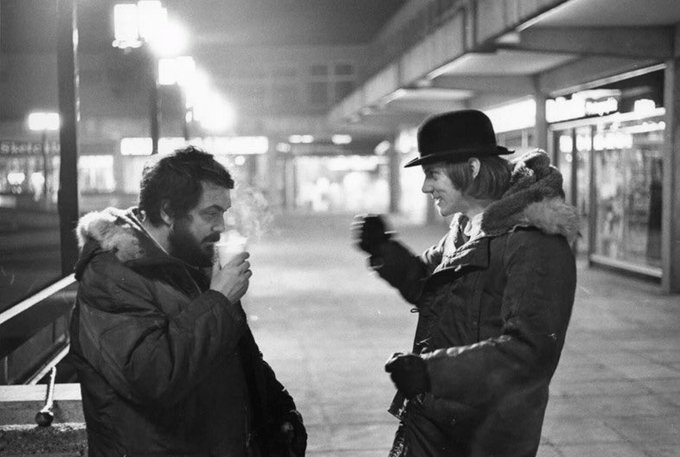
point(166, 366)
point(493, 314)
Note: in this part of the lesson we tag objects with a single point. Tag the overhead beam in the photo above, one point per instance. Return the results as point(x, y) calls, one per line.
point(565, 78)
point(510, 84)
point(635, 42)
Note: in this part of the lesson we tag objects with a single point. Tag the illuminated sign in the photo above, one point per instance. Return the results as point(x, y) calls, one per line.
point(27, 148)
point(597, 102)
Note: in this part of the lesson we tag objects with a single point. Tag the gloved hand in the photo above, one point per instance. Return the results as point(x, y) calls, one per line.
point(370, 231)
point(409, 374)
point(293, 435)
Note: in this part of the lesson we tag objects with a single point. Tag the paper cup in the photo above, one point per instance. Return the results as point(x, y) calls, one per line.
point(228, 249)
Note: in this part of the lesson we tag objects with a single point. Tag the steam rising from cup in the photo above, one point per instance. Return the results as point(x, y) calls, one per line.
point(231, 243)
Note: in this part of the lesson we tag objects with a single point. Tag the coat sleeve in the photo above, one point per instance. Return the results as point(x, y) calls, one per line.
point(404, 270)
point(536, 308)
point(148, 356)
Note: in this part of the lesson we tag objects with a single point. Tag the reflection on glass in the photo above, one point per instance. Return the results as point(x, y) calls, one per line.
point(629, 174)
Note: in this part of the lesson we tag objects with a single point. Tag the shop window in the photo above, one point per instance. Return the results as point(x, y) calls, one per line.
point(344, 69)
point(318, 70)
point(95, 174)
point(343, 89)
point(629, 169)
point(284, 95)
point(318, 93)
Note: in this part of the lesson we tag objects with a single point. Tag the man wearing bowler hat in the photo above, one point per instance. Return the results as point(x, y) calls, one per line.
point(493, 296)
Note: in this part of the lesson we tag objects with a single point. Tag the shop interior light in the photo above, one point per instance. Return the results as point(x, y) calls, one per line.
point(283, 147)
point(301, 139)
point(341, 139)
point(644, 106)
point(515, 116)
point(41, 121)
point(382, 147)
point(16, 178)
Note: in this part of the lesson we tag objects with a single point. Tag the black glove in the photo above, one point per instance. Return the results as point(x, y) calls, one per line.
point(409, 374)
point(292, 434)
point(370, 232)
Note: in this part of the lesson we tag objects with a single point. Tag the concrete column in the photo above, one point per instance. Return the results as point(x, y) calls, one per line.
point(670, 229)
point(394, 179)
point(67, 70)
point(541, 126)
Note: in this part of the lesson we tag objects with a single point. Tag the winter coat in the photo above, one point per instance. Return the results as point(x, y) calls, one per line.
point(166, 366)
point(493, 314)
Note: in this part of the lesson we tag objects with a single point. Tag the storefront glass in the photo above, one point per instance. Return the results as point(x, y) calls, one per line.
point(342, 183)
point(573, 160)
point(629, 167)
point(30, 257)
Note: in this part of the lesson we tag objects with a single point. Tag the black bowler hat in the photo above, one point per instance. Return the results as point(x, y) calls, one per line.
point(455, 137)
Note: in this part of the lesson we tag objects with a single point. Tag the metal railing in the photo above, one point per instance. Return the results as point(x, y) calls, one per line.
point(33, 333)
point(28, 318)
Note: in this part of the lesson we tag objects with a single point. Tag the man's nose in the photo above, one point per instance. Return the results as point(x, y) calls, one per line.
point(219, 226)
point(427, 187)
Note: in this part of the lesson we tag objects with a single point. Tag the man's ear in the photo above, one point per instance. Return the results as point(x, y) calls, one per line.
point(165, 213)
point(474, 165)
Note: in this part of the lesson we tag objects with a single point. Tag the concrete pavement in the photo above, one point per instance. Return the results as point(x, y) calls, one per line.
point(327, 324)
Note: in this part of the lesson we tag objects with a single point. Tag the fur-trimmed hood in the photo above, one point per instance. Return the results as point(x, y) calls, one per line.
point(117, 231)
point(535, 199)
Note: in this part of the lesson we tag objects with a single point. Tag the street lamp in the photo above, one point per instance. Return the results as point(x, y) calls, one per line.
point(145, 25)
point(43, 122)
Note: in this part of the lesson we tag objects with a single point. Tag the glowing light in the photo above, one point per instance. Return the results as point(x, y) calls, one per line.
point(176, 70)
point(170, 39)
point(43, 121)
point(341, 139)
point(239, 160)
point(644, 106)
point(382, 147)
point(16, 178)
point(515, 116)
point(125, 26)
point(283, 147)
point(215, 113)
point(301, 139)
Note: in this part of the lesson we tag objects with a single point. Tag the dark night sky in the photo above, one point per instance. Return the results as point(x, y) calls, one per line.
point(29, 25)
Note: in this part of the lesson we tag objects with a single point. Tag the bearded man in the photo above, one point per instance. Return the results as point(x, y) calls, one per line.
point(165, 358)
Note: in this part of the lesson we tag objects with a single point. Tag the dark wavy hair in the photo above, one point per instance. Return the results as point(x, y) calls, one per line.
point(490, 183)
point(176, 179)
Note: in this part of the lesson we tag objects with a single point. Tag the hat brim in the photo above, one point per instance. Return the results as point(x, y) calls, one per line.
point(457, 156)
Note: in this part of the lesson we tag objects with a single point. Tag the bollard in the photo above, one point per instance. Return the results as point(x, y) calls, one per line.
point(45, 417)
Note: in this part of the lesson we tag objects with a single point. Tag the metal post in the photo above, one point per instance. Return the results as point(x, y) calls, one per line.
point(670, 229)
point(393, 157)
point(67, 67)
point(43, 149)
point(154, 112)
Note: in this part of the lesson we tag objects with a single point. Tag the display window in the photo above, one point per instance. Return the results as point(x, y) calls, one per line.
point(628, 223)
point(342, 183)
point(620, 215)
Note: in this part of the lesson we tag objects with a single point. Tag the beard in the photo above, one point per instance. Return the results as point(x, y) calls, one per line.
point(185, 246)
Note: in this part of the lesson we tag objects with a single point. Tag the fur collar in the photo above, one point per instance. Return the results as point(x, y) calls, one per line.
point(114, 230)
point(535, 199)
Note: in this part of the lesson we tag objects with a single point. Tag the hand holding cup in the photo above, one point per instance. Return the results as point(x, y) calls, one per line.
point(231, 271)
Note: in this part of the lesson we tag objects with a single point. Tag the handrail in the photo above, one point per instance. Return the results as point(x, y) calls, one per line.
point(45, 416)
point(49, 365)
point(36, 298)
